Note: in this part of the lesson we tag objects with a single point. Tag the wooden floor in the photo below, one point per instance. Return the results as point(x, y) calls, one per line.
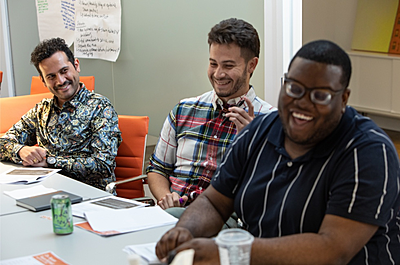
point(395, 136)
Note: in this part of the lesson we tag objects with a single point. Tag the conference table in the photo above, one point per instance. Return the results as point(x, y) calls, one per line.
point(26, 233)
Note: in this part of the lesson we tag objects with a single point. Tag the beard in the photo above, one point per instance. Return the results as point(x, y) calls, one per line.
point(238, 85)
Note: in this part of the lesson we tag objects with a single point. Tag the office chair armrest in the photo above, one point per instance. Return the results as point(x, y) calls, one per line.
point(113, 185)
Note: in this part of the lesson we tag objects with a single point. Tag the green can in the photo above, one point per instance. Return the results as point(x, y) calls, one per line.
point(62, 214)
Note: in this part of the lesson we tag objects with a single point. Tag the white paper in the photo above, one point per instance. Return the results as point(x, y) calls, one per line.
point(79, 209)
point(98, 29)
point(29, 192)
point(146, 251)
point(56, 18)
point(129, 220)
point(26, 175)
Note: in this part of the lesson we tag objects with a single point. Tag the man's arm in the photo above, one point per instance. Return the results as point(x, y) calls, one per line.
point(204, 218)
point(337, 241)
point(160, 188)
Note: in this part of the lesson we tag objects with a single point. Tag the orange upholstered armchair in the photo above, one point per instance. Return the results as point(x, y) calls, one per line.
point(37, 86)
point(130, 157)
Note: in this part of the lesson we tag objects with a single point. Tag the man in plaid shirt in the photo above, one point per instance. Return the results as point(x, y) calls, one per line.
point(198, 130)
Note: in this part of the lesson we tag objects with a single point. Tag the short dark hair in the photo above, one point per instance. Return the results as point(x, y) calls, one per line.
point(237, 31)
point(47, 48)
point(327, 52)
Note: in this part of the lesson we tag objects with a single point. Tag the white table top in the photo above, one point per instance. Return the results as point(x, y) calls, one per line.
point(56, 181)
point(25, 233)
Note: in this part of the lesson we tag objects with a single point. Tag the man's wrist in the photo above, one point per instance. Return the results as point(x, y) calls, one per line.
point(51, 161)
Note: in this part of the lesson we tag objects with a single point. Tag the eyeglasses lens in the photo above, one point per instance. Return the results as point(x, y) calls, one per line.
point(318, 96)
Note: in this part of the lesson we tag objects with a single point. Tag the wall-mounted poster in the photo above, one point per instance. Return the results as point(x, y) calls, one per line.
point(56, 19)
point(98, 29)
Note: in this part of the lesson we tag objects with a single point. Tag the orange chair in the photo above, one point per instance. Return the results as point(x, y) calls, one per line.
point(13, 108)
point(130, 157)
point(37, 86)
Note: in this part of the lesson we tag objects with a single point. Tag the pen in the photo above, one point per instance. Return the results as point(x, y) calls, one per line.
point(240, 103)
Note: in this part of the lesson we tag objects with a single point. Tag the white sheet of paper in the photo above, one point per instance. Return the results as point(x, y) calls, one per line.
point(26, 175)
point(29, 192)
point(79, 209)
point(146, 251)
point(129, 220)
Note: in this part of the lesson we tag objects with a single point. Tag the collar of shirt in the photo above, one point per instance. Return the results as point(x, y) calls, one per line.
point(216, 101)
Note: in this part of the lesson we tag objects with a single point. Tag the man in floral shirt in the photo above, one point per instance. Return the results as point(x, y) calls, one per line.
point(76, 130)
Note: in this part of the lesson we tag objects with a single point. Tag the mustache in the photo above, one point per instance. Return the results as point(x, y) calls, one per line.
point(63, 84)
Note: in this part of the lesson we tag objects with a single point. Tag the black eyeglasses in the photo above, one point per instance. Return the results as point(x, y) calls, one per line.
point(318, 95)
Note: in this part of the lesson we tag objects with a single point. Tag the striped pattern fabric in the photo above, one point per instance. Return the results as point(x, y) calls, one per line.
point(353, 173)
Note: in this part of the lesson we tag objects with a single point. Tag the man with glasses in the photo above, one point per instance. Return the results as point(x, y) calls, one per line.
point(315, 182)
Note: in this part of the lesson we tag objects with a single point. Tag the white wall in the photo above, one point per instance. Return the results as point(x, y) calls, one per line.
point(329, 19)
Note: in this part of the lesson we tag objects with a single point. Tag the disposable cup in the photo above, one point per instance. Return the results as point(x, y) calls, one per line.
point(234, 246)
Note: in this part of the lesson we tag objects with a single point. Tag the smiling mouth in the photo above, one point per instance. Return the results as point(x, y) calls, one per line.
point(301, 116)
point(222, 82)
point(63, 87)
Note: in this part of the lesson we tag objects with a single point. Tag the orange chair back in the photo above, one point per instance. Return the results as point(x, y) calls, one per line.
point(37, 86)
point(13, 108)
point(130, 157)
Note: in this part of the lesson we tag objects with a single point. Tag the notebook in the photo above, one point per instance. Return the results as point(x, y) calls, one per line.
point(42, 202)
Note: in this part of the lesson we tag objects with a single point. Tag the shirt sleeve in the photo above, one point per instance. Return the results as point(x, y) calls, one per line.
point(21, 134)
point(163, 159)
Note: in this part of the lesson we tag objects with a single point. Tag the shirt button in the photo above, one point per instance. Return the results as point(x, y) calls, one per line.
point(215, 136)
point(289, 164)
point(208, 171)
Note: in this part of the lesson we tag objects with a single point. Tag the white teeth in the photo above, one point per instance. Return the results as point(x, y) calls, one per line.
point(221, 83)
point(302, 116)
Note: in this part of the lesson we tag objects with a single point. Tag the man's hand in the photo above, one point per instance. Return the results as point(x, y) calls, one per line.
point(206, 251)
point(33, 156)
point(170, 240)
point(239, 116)
point(172, 200)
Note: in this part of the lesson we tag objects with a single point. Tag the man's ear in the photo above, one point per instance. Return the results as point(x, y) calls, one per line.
point(345, 99)
point(252, 64)
point(76, 64)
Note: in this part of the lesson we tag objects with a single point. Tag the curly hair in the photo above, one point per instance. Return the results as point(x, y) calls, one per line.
point(47, 48)
point(327, 52)
point(237, 31)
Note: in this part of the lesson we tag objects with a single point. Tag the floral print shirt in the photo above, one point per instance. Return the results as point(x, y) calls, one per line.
point(83, 136)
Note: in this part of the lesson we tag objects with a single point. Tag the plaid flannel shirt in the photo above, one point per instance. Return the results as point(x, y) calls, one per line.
point(193, 141)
